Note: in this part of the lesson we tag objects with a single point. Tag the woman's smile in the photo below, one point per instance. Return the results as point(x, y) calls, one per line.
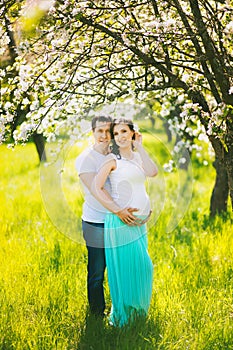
point(123, 135)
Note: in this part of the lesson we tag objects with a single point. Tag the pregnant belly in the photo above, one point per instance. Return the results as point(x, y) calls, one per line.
point(126, 195)
point(139, 200)
point(142, 204)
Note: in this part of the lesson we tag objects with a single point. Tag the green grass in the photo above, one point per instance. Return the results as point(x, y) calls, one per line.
point(43, 272)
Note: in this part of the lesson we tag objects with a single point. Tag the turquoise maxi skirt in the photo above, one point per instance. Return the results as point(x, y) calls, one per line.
point(129, 268)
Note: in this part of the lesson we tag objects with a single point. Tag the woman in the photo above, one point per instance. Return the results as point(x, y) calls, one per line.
point(130, 270)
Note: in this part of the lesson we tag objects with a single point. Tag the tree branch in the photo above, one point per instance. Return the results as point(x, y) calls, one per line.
point(211, 51)
point(199, 51)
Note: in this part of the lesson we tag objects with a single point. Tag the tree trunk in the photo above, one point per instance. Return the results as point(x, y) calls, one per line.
point(218, 202)
point(184, 155)
point(152, 119)
point(230, 179)
point(168, 131)
point(229, 157)
point(40, 146)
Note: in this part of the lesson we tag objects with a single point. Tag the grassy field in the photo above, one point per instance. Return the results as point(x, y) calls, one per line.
point(43, 264)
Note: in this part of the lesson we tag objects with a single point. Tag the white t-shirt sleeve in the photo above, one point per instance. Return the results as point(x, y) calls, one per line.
point(90, 161)
point(109, 157)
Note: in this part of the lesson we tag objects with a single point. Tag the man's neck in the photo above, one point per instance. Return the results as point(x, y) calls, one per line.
point(100, 149)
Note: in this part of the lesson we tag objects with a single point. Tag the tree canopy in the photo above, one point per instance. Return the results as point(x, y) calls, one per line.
point(79, 55)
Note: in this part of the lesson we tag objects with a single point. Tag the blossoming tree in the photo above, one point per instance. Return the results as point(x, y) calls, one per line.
point(86, 53)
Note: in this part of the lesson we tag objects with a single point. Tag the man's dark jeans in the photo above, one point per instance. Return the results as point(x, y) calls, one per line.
point(94, 236)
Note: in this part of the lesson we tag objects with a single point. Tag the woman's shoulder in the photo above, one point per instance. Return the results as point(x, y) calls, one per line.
point(110, 162)
point(110, 156)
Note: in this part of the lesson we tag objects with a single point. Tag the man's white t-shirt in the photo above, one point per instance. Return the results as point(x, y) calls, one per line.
point(90, 161)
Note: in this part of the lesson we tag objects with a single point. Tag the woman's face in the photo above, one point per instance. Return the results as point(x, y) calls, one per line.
point(122, 135)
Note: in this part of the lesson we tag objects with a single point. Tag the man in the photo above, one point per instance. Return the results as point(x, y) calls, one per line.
point(87, 164)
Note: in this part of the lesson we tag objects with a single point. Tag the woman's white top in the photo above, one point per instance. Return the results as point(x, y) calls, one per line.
point(128, 184)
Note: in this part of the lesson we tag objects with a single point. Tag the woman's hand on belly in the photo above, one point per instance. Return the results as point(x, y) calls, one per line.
point(141, 222)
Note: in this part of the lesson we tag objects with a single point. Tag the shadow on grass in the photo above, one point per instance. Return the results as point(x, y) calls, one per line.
point(99, 335)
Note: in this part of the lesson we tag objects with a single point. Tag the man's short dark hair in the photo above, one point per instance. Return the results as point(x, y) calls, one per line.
point(100, 118)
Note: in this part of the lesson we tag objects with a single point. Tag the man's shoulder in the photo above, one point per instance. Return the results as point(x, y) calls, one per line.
point(88, 161)
point(85, 152)
point(84, 157)
point(88, 153)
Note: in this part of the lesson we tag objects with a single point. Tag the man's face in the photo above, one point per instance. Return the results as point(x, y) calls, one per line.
point(101, 134)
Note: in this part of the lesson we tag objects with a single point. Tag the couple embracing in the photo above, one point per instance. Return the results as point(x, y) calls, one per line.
point(115, 211)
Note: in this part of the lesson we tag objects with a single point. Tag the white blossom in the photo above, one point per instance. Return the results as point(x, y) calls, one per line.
point(182, 160)
point(229, 28)
point(85, 126)
point(9, 117)
point(169, 167)
point(8, 105)
point(4, 40)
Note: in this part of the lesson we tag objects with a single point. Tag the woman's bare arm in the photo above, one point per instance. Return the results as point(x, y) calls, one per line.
point(148, 164)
